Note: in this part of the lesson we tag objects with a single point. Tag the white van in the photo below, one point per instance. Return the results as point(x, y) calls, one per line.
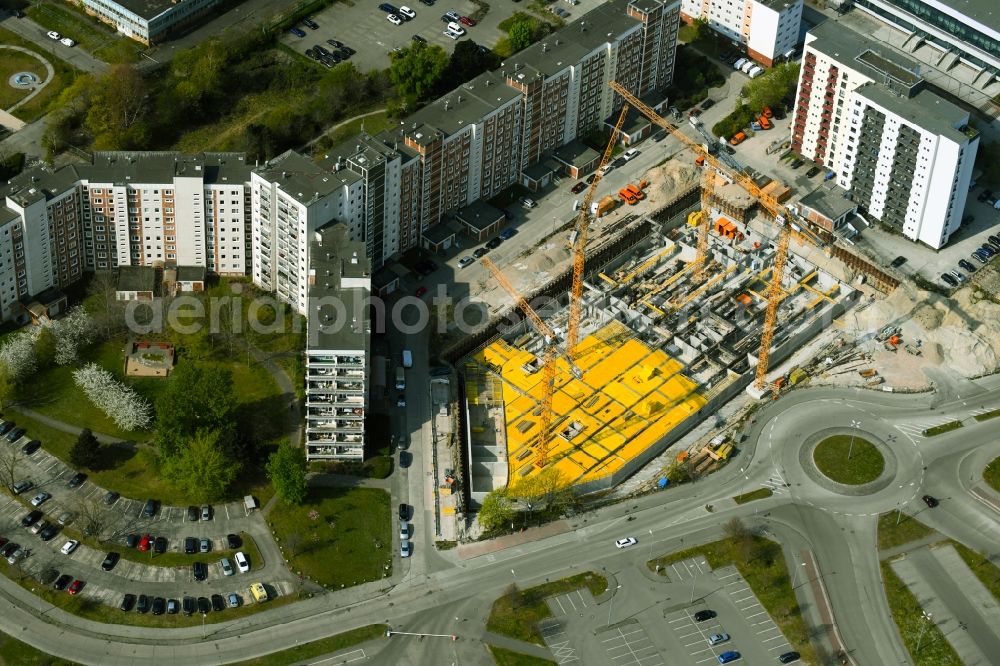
point(747, 66)
point(755, 72)
point(739, 63)
point(456, 28)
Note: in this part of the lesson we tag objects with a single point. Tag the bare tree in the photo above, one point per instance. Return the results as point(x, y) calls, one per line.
point(111, 318)
point(10, 464)
point(93, 518)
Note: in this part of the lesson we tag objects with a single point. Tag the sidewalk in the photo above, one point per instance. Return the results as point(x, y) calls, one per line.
point(471, 550)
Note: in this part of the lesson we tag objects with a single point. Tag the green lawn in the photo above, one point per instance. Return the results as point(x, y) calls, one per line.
point(760, 493)
point(991, 474)
point(864, 466)
point(373, 125)
point(39, 105)
point(943, 428)
point(909, 529)
point(86, 31)
point(761, 562)
point(320, 647)
point(517, 612)
point(349, 526)
point(935, 650)
point(504, 657)
point(12, 63)
point(15, 653)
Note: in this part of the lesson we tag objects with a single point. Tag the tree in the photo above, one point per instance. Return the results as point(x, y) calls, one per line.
point(520, 34)
point(770, 88)
point(86, 452)
point(547, 488)
point(110, 315)
point(416, 69)
point(8, 387)
point(286, 468)
point(468, 61)
point(10, 464)
point(73, 333)
point(677, 473)
point(128, 409)
point(118, 107)
point(18, 356)
point(93, 518)
point(45, 347)
point(203, 469)
point(199, 398)
point(497, 510)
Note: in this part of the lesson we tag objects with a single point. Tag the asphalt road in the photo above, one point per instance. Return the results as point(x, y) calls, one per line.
point(839, 529)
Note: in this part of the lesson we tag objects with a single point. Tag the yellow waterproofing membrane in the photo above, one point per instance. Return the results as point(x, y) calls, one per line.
point(621, 399)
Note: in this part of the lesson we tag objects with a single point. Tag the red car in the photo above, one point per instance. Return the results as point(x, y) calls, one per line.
point(146, 542)
point(579, 187)
point(75, 586)
point(421, 291)
point(465, 20)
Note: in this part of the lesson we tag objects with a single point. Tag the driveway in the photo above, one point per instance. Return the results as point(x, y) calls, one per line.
point(31, 31)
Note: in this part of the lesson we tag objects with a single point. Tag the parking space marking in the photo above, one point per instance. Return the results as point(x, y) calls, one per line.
point(354, 655)
point(226, 507)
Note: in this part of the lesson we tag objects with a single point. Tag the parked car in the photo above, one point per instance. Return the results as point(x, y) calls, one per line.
point(22, 486)
point(715, 639)
point(298, 32)
point(466, 20)
point(812, 172)
point(31, 518)
point(39, 526)
point(146, 542)
point(480, 252)
point(233, 541)
point(54, 35)
point(703, 615)
point(128, 602)
point(31, 447)
point(465, 261)
point(66, 41)
point(494, 243)
point(204, 605)
point(19, 553)
point(630, 154)
point(206, 512)
point(796, 163)
point(160, 545)
point(172, 606)
point(452, 15)
point(404, 511)
point(233, 600)
point(159, 605)
point(528, 202)
point(111, 497)
point(69, 546)
point(149, 508)
point(418, 38)
point(967, 265)
point(62, 582)
point(76, 480)
point(192, 513)
point(110, 560)
point(65, 518)
point(218, 603)
point(404, 530)
point(242, 564)
point(728, 656)
point(227, 567)
point(949, 280)
point(789, 657)
point(75, 586)
point(48, 532)
point(898, 261)
point(15, 434)
point(199, 570)
point(626, 542)
point(190, 545)
point(6, 427)
point(393, 19)
point(707, 104)
point(189, 605)
point(387, 8)
point(311, 24)
point(507, 234)
point(204, 545)
point(404, 548)
point(407, 13)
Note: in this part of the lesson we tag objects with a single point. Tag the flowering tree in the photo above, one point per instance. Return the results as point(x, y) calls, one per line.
point(73, 332)
point(18, 356)
point(128, 409)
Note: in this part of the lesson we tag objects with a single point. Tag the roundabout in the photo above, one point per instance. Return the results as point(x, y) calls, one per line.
point(848, 459)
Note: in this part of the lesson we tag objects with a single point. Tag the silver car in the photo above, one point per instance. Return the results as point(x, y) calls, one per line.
point(227, 567)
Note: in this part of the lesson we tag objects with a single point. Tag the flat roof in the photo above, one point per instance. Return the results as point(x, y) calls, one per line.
point(148, 9)
point(437, 233)
point(136, 278)
point(925, 109)
point(190, 273)
point(302, 179)
point(38, 183)
point(333, 257)
point(161, 167)
point(846, 46)
point(830, 201)
point(986, 12)
point(479, 215)
point(464, 106)
point(575, 153)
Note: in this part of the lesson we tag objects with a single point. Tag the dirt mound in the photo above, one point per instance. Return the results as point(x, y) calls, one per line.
point(672, 179)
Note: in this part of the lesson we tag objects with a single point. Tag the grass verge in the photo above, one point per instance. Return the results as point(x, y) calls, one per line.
point(504, 657)
point(349, 526)
point(320, 647)
point(864, 465)
point(987, 572)
point(943, 428)
point(907, 613)
point(988, 415)
point(517, 612)
point(761, 562)
point(374, 124)
point(13, 651)
point(991, 474)
point(891, 534)
point(760, 493)
point(64, 75)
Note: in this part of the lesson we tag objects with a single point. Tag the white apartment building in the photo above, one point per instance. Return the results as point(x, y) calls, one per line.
point(904, 154)
point(337, 348)
point(769, 29)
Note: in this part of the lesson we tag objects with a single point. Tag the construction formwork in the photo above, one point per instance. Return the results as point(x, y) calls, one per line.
point(660, 351)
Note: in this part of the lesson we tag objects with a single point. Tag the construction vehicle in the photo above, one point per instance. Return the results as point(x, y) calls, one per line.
point(765, 123)
point(910, 349)
point(605, 206)
point(699, 161)
point(636, 192)
point(626, 195)
point(737, 139)
point(869, 373)
point(886, 333)
point(782, 216)
point(892, 344)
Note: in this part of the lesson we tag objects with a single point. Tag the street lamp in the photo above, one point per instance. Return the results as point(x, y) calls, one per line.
point(203, 634)
point(611, 607)
point(794, 574)
point(855, 425)
point(923, 627)
point(650, 544)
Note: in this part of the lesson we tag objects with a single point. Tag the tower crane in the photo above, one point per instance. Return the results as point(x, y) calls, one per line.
point(781, 214)
point(580, 245)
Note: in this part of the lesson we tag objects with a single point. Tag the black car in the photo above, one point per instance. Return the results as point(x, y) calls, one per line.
point(62, 582)
point(335, 44)
point(204, 605)
point(218, 603)
point(429, 3)
point(387, 8)
point(703, 615)
point(76, 480)
point(788, 657)
point(48, 532)
point(9, 548)
point(812, 172)
point(111, 497)
point(6, 427)
point(15, 434)
point(143, 604)
point(994, 239)
point(707, 104)
point(159, 605)
point(160, 545)
point(189, 605)
point(796, 163)
point(312, 25)
point(31, 518)
point(930, 501)
point(898, 261)
point(128, 601)
point(192, 513)
point(199, 570)
point(494, 243)
point(418, 38)
point(149, 508)
point(967, 265)
point(480, 252)
point(31, 447)
point(949, 280)
point(132, 540)
point(110, 560)
point(404, 511)
point(190, 545)
point(619, 162)
point(233, 541)
point(591, 178)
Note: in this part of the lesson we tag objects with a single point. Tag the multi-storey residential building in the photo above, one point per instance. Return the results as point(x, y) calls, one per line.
point(905, 154)
point(337, 348)
point(148, 21)
point(961, 32)
point(769, 29)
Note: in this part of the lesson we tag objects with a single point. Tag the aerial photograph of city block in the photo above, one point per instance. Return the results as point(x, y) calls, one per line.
point(500, 332)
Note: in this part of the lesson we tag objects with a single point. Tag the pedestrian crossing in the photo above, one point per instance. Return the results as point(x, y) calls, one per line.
point(916, 429)
point(776, 483)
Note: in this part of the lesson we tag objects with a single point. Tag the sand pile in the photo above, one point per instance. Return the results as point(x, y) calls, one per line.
point(672, 179)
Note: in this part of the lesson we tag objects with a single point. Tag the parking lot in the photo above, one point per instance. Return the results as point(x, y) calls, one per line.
point(627, 644)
